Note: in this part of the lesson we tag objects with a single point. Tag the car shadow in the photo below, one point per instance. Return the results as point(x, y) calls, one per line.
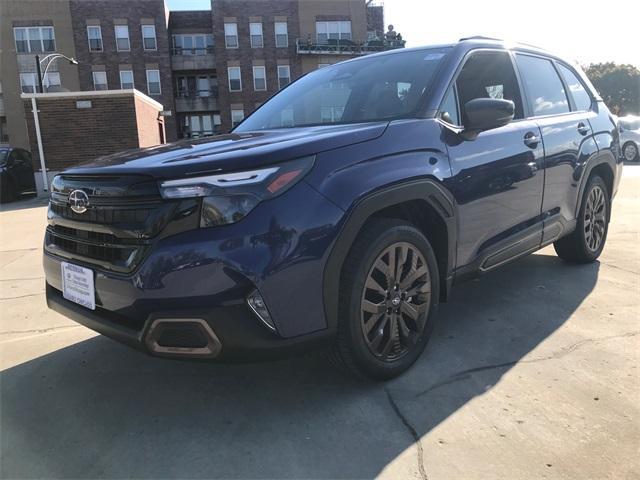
point(96, 409)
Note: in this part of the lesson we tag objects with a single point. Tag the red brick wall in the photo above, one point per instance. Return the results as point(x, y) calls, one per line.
point(72, 135)
point(147, 122)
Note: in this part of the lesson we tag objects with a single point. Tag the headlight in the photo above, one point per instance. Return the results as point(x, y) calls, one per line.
point(229, 197)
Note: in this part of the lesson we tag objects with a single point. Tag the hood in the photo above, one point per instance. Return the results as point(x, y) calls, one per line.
point(230, 152)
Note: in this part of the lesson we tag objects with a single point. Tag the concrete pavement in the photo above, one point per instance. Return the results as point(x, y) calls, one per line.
point(532, 373)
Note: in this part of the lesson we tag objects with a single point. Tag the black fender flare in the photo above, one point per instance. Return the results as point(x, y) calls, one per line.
point(601, 158)
point(424, 189)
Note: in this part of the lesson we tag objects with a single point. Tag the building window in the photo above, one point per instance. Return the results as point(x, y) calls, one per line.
point(284, 76)
point(34, 39)
point(202, 125)
point(235, 79)
point(29, 81)
point(236, 117)
point(122, 38)
point(282, 34)
point(231, 35)
point(196, 44)
point(196, 86)
point(126, 80)
point(153, 82)
point(259, 79)
point(149, 37)
point(255, 29)
point(94, 33)
point(100, 81)
point(326, 31)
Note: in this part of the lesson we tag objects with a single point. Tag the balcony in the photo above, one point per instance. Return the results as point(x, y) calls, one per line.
point(346, 47)
point(192, 59)
point(197, 100)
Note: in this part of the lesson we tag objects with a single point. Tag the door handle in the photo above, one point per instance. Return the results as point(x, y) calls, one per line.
point(583, 129)
point(531, 140)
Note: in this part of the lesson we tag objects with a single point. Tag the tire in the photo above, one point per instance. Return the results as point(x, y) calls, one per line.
point(630, 152)
point(585, 243)
point(403, 318)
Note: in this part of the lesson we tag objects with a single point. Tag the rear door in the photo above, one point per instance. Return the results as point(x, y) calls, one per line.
point(563, 119)
point(496, 179)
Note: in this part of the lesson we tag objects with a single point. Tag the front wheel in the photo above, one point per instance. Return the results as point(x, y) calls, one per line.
point(389, 290)
point(586, 242)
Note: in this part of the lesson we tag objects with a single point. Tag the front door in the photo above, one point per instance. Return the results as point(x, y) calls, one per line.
point(497, 179)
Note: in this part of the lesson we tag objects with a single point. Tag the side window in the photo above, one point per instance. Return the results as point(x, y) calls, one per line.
point(544, 88)
point(14, 158)
point(487, 75)
point(26, 157)
point(578, 92)
point(449, 108)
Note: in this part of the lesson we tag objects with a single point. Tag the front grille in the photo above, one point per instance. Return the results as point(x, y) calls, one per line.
point(123, 217)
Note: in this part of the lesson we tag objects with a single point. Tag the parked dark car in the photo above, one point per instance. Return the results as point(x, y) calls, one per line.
point(342, 211)
point(16, 174)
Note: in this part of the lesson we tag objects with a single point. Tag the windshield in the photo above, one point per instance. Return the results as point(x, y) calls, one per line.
point(369, 89)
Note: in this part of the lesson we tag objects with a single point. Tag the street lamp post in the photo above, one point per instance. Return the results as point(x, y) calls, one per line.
point(52, 57)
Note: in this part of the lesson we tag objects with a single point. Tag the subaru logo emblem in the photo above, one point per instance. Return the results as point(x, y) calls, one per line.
point(79, 201)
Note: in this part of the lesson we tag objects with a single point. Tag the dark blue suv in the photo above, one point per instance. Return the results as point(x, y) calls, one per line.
point(342, 211)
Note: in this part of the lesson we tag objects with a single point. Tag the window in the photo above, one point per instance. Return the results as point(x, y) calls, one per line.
point(200, 125)
point(284, 76)
point(126, 80)
point(449, 108)
point(196, 44)
point(282, 34)
point(94, 33)
point(231, 35)
point(486, 75)
point(326, 31)
point(236, 117)
point(580, 96)
point(149, 37)
point(362, 90)
point(235, 79)
point(100, 81)
point(255, 30)
point(196, 86)
point(153, 82)
point(29, 81)
point(259, 78)
point(544, 88)
point(34, 39)
point(122, 38)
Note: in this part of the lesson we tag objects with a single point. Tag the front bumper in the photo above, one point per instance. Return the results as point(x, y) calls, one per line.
point(205, 275)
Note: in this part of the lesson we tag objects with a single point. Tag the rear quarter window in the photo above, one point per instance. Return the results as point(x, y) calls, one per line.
point(578, 92)
point(545, 91)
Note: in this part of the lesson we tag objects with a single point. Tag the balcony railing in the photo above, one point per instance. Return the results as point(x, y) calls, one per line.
point(187, 133)
point(209, 92)
point(346, 47)
point(192, 51)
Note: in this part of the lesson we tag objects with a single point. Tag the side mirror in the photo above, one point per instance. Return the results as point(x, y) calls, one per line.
point(484, 114)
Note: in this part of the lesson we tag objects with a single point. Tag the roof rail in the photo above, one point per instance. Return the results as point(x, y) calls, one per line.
point(479, 37)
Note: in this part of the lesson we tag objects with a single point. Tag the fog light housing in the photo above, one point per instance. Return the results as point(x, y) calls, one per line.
point(257, 306)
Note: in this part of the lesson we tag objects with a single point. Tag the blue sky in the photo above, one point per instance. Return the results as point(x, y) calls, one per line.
point(594, 31)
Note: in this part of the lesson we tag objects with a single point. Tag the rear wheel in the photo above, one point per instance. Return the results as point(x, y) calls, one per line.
point(586, 242)
point(389, 290)
point(630, 152)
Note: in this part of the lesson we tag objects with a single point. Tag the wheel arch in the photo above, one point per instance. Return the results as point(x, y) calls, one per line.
point(603, 165)
point(425, 203)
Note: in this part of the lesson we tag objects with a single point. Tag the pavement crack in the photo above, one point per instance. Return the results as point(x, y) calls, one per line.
point(465, 374)
point(632, 272)
point(20, 279)
point(416, 438)
point(22, 296)
point(39, 330)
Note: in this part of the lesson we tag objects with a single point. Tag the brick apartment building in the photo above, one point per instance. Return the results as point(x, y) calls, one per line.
point(210, 67)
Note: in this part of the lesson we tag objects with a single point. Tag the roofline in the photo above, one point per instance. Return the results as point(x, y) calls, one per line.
point(94, 93)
